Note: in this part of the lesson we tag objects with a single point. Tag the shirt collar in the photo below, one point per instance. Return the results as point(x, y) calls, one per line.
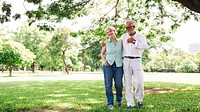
point(136, 32)
point(111, 41)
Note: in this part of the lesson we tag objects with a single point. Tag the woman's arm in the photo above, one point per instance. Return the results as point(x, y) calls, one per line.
point(103, 52)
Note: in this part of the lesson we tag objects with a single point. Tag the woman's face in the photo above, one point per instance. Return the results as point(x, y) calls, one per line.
point(110, 33)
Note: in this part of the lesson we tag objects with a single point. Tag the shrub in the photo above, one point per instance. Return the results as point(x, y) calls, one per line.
point(187, 66)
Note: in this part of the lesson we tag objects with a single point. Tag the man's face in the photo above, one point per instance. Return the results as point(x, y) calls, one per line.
point(130, 28)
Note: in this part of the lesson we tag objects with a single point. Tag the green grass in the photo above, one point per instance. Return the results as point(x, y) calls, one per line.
point(84, 96)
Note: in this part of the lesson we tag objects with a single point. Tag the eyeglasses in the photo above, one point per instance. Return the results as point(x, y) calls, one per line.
point(130, 27)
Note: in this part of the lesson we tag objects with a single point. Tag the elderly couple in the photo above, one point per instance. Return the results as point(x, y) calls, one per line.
point(126, 51)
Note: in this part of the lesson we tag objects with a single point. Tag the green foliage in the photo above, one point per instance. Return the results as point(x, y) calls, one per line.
point(187, 66)
point(34, 1)
point(32, 38)
point(157, 20)
point(6, 9)
point(9, 57)
point(55, 9)
point(46, 27)
point(58, 10)
point(90, 55)
point(197, 60)
point(167, 61)
point(14, 54)
point(91, 48)
point(61, 48)
point(38, 14)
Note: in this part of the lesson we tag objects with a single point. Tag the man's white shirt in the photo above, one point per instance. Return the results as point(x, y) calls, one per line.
point(134, 50)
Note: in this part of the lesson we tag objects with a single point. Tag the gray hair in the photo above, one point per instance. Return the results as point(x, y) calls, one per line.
point(131, 22)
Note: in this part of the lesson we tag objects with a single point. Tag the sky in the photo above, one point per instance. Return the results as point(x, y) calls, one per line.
point(186, 34)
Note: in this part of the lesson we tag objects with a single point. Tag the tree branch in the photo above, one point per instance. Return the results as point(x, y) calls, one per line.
point(115, 6)
point(191, 4)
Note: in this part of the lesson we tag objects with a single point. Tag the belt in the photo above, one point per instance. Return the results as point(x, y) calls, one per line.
point(130, 57)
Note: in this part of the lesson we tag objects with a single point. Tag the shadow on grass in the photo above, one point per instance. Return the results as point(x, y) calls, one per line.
point(84, 96)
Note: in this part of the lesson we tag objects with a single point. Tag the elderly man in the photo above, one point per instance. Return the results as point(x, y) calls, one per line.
point(134, 44)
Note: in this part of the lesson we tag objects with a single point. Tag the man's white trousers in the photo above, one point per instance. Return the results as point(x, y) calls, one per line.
point(133, 80)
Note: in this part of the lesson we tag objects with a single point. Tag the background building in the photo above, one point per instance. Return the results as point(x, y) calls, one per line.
point(194, 47)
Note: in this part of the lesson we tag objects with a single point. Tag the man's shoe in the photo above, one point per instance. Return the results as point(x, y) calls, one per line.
point(140, 104)
point(130, 107)
point(110, 107)
point(119, 104)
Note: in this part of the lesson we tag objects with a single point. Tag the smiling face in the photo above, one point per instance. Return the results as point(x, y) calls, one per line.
point(130, 27)
point(110, 32)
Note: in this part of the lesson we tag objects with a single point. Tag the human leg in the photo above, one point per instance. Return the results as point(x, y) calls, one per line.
point(128, 84)
point(136, 65)
point(139, 84)
point(108, 74)
point(118, 74)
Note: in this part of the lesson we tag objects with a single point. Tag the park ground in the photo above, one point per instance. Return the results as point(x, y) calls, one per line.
point(84, 92)
point(183, 78)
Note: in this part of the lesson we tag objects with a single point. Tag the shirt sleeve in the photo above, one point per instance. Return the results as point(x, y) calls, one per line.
point(141, 42)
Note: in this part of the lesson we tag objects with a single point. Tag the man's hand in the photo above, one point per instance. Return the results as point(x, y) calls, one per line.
point(130, 40)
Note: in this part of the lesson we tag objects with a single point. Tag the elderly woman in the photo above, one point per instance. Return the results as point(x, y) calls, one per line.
point(111, 55)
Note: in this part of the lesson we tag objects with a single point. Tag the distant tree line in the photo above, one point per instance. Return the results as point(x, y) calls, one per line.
point(47, 47)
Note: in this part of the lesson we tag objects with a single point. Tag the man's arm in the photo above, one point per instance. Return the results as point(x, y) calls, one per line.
point(142, 42)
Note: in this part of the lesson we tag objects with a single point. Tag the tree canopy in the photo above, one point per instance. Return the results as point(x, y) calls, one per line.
point(193, 5)
point(56, 47)
point(59, 9)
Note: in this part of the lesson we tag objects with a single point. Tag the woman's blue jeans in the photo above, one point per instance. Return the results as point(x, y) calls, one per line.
point(112, 72)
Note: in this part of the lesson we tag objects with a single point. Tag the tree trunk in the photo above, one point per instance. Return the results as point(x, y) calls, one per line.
point(2, 69)
point(65, 64)
point(10, 70)
point(33, 67)
point(199, 67)
point(65, 67)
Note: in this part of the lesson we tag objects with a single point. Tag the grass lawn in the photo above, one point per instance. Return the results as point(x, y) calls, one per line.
point(84, 96)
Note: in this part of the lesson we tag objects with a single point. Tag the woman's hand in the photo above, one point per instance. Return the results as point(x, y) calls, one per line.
point(105, 63)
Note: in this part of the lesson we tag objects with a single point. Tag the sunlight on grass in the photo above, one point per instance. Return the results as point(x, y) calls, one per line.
point(84, 96)
point(22, 97)
point(52, 101)
point(68, 105)
point(150, 106)
point(188, 88)
point(93, 101)
point(58, 95)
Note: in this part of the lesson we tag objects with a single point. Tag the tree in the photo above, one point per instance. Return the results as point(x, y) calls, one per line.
point(167, 60)
point(31, 37)
point(151, 16)
point(57, 9)
point(70, 9)
point(14, 54)
point(191, 4)
point(61, 47)
point(90, 53)
point(197, 60)
point(187, 66)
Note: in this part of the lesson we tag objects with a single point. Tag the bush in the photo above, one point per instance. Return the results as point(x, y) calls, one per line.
point(187, 66)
